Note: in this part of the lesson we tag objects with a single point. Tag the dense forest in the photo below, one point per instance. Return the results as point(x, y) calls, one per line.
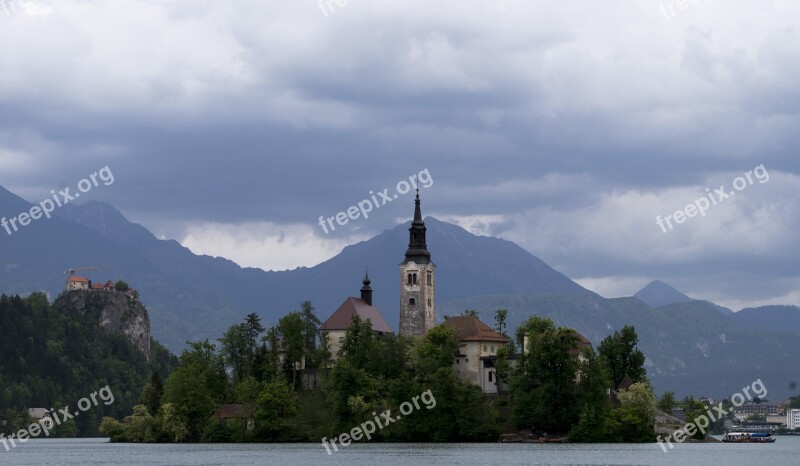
point(52, 357)
point(283, 385)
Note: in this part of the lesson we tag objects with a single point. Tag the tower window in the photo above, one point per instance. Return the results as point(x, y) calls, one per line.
point(430, 278)
point(490, 376)
point(429, 302)
point(412, 302)
point(409, 279)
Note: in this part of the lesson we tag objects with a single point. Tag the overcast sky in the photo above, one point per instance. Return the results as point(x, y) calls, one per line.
point(565, 126)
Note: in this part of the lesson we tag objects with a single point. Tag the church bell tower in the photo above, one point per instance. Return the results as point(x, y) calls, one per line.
point(417, 281)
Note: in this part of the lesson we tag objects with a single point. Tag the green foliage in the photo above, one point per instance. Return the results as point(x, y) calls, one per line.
point(197, 386)
point(553, 388)
point(622, 357)
point(121, 286)
point(667, 402)
point(275, 408)
point(54, 355)
point(636, 414)
point(152, 393)
point(500, 318)
point(237, 349)
point(543, 384)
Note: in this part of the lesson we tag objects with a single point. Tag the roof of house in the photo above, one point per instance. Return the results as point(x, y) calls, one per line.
point(232, 411)
point(468, 328)
point(582, 342)
point(342, 318)
point(77, 279)
point(626, 383)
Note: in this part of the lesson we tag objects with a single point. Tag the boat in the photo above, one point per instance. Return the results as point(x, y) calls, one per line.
point(748, 437)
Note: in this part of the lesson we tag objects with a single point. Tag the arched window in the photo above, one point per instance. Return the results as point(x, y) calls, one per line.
point(412, 302)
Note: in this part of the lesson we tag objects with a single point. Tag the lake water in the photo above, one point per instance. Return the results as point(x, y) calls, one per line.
point(786, 451)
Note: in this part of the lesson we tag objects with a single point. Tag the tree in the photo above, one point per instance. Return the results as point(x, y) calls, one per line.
point(276, 407)
point(197, 386)
point(121, 285)
point(500, 321)
point(543, 384)
point(358, 343)
point(254, 328)
point(622, 357)
point(152, 393)
point(237, 350)
point(637, 413)
point(667, 402)
point(292, 343)
point(470, 313)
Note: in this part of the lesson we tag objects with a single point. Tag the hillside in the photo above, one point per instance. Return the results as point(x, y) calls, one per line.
point(772, 318)
point(54, 355)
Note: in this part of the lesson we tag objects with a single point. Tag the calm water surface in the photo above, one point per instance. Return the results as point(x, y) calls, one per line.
point(786, 451)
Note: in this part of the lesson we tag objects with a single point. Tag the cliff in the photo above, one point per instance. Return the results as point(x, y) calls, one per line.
point(114, 311)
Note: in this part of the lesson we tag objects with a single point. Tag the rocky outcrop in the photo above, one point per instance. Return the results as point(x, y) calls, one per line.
point(114, 311)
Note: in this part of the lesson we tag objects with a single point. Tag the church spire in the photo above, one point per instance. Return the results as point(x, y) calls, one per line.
point(366, 290)
point(417, 210)
point(417, 244)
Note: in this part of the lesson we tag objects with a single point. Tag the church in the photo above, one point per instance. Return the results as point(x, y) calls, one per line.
point(417, 293)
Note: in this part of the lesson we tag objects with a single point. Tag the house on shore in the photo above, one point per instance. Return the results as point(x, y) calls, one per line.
point(477, 352)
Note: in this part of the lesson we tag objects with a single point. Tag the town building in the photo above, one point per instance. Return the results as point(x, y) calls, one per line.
point(777, 419)
point(477, 352)
point(76, 283)
point(417, 281)
point(107, 286)
point(793, 419)
point(763, 409)
point(337, 324)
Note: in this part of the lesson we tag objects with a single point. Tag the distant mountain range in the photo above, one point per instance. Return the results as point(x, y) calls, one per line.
point(196, 297)
point(191, 297)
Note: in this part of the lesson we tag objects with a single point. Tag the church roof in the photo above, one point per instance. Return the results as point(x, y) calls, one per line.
point(342, 318)
point(77, 279)
point(470, 328)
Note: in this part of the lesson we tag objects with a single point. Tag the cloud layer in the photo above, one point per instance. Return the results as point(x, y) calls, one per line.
point(565, 126)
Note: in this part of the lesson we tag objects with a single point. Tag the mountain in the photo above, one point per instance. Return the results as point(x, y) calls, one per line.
point(691, 348)
point(658, 293)
point(690, 345)
point(193, 297)
point(774, 318)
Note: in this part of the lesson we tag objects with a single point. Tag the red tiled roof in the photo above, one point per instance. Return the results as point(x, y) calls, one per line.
point(77, 279)
point(470, 328)
point(342, 318)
